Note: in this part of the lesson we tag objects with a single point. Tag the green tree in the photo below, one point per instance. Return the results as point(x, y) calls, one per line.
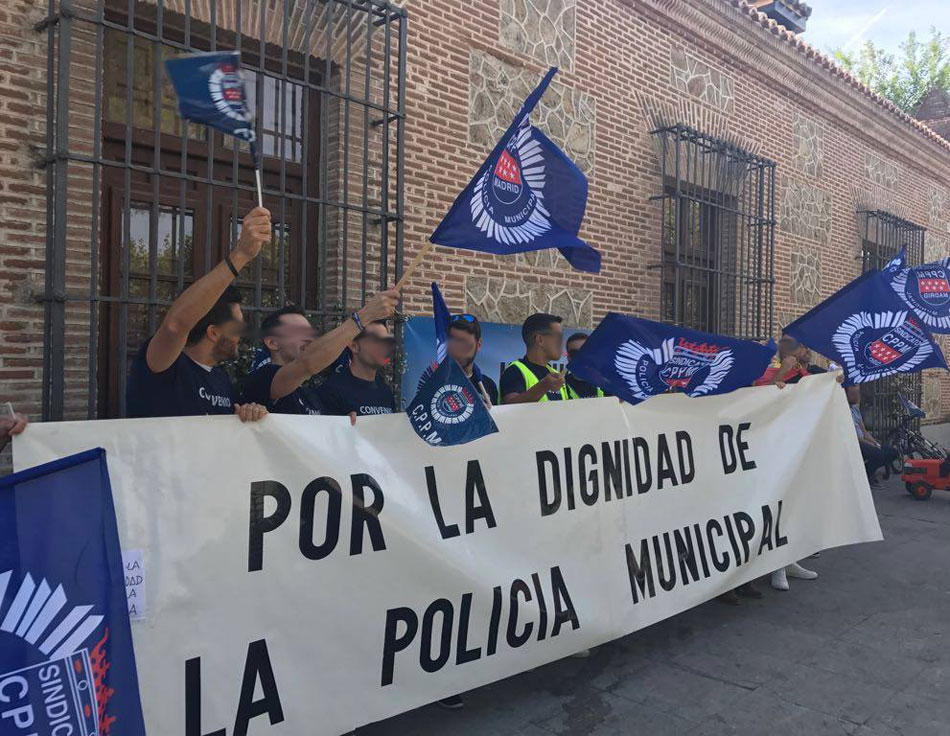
point(903, 78)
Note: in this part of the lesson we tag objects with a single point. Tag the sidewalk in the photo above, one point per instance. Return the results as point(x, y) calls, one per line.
point(863, 650)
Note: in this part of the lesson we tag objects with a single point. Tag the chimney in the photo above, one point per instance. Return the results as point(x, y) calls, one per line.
point(792, 14)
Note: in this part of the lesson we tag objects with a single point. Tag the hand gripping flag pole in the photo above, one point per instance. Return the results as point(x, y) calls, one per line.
point(527, 195)
point(212, 91)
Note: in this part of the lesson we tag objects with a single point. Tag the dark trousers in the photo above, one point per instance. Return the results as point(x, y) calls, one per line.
point(876, 457)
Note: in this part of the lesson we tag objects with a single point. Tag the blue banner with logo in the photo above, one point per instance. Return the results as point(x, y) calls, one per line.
point(527, 195)
point(926, 290)
point(897, 263)
point(447, 409)
point(869, 330)
point(66, 659)
point(637, 358)
point(211, 90)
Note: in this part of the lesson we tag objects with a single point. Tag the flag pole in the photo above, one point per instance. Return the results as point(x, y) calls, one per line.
point(413, 265)
point(260, 190)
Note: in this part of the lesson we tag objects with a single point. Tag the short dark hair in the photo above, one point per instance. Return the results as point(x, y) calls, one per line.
point(472, 327)
point(374, 322)
point(270, 322)
point(217, 315)
point(537, 323)
point(574, 338)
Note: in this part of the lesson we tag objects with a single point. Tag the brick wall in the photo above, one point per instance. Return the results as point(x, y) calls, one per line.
point(625, 66)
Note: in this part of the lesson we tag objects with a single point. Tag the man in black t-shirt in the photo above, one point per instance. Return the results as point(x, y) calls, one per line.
point(296, 355)
point(464, 342)
point(531, 379)
point(358, 390)
point(177, 371)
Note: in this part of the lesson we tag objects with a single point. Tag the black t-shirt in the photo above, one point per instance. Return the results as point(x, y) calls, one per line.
point(184, 389)
point(257, 390)
point(491, 388)
point(343, 393)
point(512, 382)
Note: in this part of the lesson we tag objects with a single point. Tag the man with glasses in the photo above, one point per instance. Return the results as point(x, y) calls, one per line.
point(464, 342)
point(576, 387)
point(358, 389)
point(531, 379)
point(295, 354)
point(177, 371)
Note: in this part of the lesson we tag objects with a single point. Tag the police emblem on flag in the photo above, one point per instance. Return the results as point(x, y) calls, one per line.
point(873, 345)
point(452, 404)
point(507, 200)
point(227, 90)
point(63, 690)
point(926, 290)
point(691, 367)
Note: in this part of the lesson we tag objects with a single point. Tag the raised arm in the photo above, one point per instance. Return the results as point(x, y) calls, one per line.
point(327, 348)
point(195, 301)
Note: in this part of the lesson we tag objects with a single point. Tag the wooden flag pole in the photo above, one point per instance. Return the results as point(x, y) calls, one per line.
point(413, 265)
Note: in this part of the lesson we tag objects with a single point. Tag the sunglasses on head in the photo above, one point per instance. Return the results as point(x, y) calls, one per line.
point(470, 318)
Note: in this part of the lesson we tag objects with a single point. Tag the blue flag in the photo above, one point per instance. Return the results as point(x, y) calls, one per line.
point(447, 410)
point(64, 622)
point(638, 358)
point(926, 290)
point(440, 314)
point(867, 328)
point(897, 263)
point(528, 195)
point(211, 90)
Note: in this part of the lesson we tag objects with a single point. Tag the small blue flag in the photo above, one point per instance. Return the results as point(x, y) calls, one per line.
point(868, 330)
point(211, 90)
point(447, 410)
point(64, 620)
point(926, 290)
point(440, 314)
point(638, 358)
point(528, 195)
point(897, 262)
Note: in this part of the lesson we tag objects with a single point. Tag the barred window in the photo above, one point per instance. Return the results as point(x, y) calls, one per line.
point(718, 233)
point(883, 235)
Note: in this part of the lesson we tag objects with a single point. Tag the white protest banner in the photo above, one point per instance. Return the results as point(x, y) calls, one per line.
point(306, 576)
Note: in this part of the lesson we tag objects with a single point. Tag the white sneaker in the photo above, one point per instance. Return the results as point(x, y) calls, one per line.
point(797, 571)
point(779, 580)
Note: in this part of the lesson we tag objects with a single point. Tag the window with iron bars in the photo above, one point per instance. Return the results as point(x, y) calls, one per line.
point(718, 235)
point(141, 203)
point(883, 235)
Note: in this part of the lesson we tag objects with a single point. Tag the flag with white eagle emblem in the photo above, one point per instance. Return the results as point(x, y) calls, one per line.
point(867, 329)
point(527, 195)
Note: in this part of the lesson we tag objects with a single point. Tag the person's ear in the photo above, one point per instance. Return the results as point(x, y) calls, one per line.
point(212, 333)
point(478, 344)
point(270, 343)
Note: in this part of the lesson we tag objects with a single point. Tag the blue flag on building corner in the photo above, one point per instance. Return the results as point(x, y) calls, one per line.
point(447, 410)
point(64, 623)
point(897, 262)
point(925, 290)
point(211, 90)
point(637, 358)
point(867, 329)
point(440, 315)
point(527, 195)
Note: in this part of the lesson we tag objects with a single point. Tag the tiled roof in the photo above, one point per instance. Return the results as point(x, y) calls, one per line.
point(803, 9)
point(835, 69)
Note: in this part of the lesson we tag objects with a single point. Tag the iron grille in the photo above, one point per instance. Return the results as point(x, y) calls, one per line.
point(140, 204)
point(718, 234)
point(882, 237)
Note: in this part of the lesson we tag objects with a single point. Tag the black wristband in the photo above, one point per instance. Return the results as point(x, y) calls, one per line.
point(227, 259)
point(359, 323)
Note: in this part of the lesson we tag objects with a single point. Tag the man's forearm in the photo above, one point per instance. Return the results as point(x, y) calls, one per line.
point(315, 357)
